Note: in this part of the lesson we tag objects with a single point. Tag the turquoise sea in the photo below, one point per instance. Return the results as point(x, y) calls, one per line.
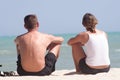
point(8, 55)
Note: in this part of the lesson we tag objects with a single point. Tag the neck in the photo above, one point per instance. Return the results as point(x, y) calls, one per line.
point(35, 29)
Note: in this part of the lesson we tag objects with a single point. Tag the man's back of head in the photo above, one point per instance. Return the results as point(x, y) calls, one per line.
point(30, 21)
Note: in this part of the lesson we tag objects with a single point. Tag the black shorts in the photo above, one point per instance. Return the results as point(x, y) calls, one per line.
point(87, 70)
point(50, 60)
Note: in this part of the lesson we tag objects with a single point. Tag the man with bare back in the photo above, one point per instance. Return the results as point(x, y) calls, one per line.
point(32, 47)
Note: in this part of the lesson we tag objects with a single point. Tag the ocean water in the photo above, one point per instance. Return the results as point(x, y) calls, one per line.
point(8, 54)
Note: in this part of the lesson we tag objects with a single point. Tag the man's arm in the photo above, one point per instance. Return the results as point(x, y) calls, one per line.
point(74, 40)
point(16, 42)
point(80, 38)
point(56, 40)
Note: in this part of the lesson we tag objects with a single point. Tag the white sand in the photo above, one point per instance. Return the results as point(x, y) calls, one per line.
point(113, 74)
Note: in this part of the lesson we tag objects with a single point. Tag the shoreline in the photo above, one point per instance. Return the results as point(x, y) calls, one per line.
point(113, 74)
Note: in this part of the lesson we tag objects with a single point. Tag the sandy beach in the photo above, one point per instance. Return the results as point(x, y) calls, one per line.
point(113, 74)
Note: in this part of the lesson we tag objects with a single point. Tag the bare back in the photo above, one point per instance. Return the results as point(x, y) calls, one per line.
point(32, 48)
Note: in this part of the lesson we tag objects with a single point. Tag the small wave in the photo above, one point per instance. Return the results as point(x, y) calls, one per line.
point(4, 52)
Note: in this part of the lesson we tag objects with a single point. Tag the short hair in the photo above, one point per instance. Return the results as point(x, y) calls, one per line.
point(30, 21)
point(89, 21)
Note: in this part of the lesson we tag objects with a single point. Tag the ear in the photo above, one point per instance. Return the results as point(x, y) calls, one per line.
point(25, 26)
point(37, 24)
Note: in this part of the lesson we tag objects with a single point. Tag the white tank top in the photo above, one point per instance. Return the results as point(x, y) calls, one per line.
point(96, 50)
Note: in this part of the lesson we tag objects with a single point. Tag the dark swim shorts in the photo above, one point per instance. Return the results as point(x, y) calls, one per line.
point(50, 60)
point(87, 70)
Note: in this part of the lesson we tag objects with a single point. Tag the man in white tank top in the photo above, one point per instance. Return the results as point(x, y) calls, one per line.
point(95, 56)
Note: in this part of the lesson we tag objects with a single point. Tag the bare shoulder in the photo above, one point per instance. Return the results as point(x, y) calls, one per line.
point(19, 37)
point(44, 34)
point(83, 34)
point(52, 37)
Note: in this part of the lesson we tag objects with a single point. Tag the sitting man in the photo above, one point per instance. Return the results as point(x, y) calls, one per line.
point(32, 47)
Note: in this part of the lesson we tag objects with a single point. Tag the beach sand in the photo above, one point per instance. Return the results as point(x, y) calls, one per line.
point(113, 74)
